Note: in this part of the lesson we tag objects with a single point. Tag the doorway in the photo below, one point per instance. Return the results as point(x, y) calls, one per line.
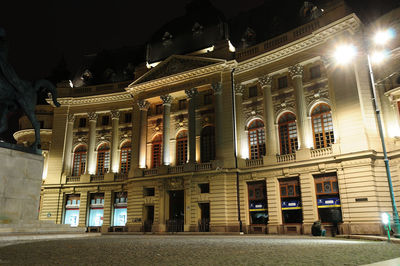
point(204, 222)
point(149, 218)
point(176, 211)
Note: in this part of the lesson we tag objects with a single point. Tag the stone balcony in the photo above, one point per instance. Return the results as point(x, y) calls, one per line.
point(87, 178)
point(189, 167)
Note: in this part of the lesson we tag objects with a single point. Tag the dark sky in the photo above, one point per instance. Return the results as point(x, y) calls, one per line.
point(40, 32)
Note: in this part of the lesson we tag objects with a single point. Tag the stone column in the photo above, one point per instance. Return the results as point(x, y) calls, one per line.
point(167, 99)
point(192, 93)
point(144, 106)
point(296, 73)
point(83, 208)
point(242, 145)
point(107, 210)
point(135, 139)
point(266, 82)
point(217, 87)
point(115, 141)
point(91, 160)
point(68, 145)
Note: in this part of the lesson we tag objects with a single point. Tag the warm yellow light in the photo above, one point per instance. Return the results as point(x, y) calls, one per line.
point(382, 37)
point(378, 56)
point(231, 47)
point(345, 54)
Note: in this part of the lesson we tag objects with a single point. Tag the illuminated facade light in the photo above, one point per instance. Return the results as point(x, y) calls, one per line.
point(382, 37)
point(344, 54)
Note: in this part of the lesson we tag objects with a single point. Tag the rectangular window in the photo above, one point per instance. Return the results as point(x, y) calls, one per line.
point(182, 104)
point(71, 216)
point(257, 203)
point(82, 122)
point(253, 91)
point(328, 198)
point(159, 109)
point(120, 209)
point(149, 191)
point(282, 82)
point(315, 72)
point(204, 188)
point(208, 98)
point(128, 117)
point(96, 209)
point(105, 120)
point(291, 200)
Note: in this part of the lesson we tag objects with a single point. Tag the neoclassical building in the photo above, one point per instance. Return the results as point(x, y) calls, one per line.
point(266, 138)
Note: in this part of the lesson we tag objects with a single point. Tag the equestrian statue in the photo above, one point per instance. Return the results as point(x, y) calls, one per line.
point(16, 93)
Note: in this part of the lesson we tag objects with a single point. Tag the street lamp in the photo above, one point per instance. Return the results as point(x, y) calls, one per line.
point(344, 54)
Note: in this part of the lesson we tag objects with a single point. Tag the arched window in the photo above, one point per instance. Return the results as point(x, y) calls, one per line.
point(181, 147)
point(288, 133)
point(103, 159)
point(156, 151)
point(125, 157)
point(207, 144)
point(322, 126)
point(256, 139)
point(79, 160)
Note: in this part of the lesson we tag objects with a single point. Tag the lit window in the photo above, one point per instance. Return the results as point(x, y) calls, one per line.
point(288, 133)
point(125, 157)
point(181, 148)
point(156, 151)
point(207, 144)
point(120, 209)
point(328, 199)
point(322, 126)
point(256, 139)
point(103, 159)
point(79, 160)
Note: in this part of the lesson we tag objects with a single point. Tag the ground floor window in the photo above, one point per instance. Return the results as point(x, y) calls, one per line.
point(291, 200)
point(71, 215)
point(328, 198)
point(257, 202)
point(96, 209)
point(120, 209)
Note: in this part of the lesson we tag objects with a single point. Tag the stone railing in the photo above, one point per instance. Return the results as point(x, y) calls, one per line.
point(175, 169)
point(321, 152)
point(72, 179)
point(150, 172)
point(255, 162)
point(203, 166)
point(120, 176)
point(96, 178)
point(286, 158)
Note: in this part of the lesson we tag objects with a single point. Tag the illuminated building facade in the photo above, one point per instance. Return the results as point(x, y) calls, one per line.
point(162, 153)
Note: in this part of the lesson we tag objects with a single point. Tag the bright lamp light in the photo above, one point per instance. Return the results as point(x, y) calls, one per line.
point(383, 37)
point(385, 218)
point(378, 56)
point(344, 54)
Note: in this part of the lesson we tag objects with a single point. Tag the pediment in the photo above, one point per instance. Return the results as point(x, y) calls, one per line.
point(176, 64)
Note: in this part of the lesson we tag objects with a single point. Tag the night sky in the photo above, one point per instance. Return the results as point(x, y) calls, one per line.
point(40, 33)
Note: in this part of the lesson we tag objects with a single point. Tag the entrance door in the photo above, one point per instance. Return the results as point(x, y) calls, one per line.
point(204, 222)
point(149, 219)
point(176, 211)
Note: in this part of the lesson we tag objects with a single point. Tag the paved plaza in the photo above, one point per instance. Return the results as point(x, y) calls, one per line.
point(196, 250)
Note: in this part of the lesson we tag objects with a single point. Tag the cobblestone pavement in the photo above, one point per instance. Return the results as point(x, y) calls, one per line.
point(197, 250)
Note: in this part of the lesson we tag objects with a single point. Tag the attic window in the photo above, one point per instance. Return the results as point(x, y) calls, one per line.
point(167, 39)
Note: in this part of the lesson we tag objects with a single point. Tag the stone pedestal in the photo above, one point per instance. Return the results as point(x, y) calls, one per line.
point(20, 182)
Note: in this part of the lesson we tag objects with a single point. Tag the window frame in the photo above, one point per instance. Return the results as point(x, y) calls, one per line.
point(156, 155)
point(260, 147)
point(126, 150)
point(181, 148)
point(291, 143)
point(78, 155)
point(104, 155)
point(207, 144)
point(323, 133)
point(282, 82)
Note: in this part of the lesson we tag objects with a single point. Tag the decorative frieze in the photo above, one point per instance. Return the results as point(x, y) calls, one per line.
point(191, 92)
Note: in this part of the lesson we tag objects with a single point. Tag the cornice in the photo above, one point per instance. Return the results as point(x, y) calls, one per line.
point(135, 89)
point(27, 132)
point(96, 99)
point(349, 23)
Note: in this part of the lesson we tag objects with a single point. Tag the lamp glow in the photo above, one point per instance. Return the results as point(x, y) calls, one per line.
point(385, 218)
point(378, 56)
point(344, 54)
point(383, 37)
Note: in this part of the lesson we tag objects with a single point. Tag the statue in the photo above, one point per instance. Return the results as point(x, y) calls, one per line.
point(16, 93)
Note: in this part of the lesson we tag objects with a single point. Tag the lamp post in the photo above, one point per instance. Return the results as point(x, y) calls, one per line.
point(346, 52)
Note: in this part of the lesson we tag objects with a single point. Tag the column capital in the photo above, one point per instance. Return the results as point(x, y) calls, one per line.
point(71, 118)
point(167, 99)
point(143, 105)
point(191, 93)
point(92, 116)
point(327, 61)
point(296, 71)
point(265, 80)
point(217, 87)
point(115, 114)
point(239, 89)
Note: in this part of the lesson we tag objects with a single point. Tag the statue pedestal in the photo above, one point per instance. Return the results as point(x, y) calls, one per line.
point(20, 182)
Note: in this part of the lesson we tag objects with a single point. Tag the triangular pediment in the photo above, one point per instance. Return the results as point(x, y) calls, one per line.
point(176, 64)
